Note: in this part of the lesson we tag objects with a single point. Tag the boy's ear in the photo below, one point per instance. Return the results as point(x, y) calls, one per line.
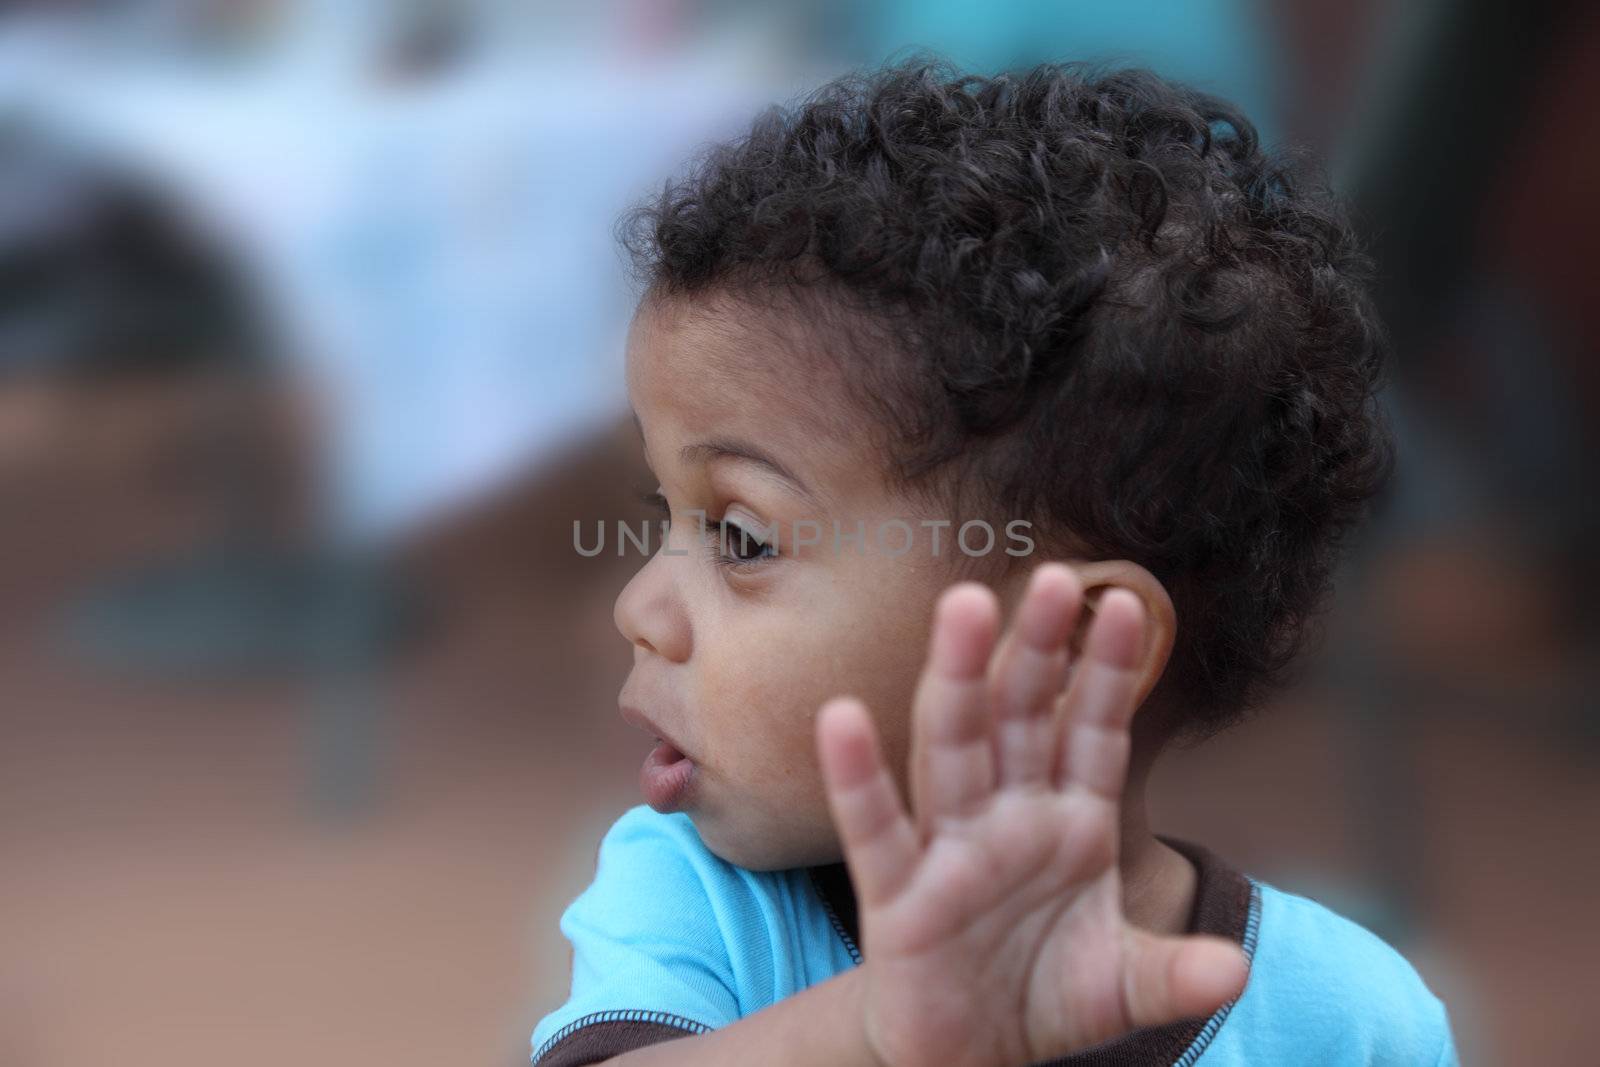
point(1161, 620)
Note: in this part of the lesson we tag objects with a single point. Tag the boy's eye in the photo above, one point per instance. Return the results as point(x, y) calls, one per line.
point(730, 544)
point(739, 545)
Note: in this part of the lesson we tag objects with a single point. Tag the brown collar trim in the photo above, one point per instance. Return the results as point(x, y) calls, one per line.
point(1226, 904)
point(601, 1035)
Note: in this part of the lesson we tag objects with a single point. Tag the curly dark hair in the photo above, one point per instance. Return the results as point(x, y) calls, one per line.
point(1094, 299)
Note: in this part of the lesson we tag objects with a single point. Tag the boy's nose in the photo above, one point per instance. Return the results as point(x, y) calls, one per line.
point(650, 615)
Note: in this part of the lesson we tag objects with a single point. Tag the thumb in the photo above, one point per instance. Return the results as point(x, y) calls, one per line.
point(1169, 978)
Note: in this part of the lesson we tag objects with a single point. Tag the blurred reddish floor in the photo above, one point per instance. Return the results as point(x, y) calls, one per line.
point(170, 897)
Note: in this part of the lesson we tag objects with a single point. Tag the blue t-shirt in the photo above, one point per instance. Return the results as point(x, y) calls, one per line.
point(670, 940)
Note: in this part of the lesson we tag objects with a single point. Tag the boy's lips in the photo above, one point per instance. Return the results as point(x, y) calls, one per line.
point(667, 771)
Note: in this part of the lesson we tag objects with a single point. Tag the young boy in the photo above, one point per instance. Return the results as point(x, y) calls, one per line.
point(919, 310)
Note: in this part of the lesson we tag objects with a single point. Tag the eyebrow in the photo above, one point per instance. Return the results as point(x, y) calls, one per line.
point(735, 448)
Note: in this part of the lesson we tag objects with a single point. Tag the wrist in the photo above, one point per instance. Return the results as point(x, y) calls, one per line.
point(858, 1000)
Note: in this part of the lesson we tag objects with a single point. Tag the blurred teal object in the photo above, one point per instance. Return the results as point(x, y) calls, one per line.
point(1220, 46)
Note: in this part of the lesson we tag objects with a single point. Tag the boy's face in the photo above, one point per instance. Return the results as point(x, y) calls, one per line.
point(734, 649)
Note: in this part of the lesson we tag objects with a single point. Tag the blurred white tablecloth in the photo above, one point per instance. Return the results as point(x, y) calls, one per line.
point(440, 256)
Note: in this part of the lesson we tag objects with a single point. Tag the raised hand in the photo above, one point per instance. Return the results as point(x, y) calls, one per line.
point(991, 915)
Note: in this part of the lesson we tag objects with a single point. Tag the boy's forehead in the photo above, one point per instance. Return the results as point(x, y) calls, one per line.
point(723, 369)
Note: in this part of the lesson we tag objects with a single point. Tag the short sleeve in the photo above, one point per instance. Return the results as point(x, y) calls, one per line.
point(649, 962)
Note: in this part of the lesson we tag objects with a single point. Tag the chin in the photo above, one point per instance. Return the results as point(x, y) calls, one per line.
point(758, 846)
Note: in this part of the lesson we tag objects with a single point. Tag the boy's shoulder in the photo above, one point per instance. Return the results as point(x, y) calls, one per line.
point(661, 857)
point(657, 862)
point(653, 871)
point(1324, 945)
point(1324, 988)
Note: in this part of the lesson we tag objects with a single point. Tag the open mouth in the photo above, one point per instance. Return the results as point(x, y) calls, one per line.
point(664, 777)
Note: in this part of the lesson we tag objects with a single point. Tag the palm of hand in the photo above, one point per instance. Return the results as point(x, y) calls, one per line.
point(992, 920)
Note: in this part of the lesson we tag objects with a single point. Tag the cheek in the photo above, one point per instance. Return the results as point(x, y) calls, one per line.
point(759, 694)
point(887, 685)
point(881, 647)
point(763, 678)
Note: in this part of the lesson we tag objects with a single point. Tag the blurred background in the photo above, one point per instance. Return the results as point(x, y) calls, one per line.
point(310, 352)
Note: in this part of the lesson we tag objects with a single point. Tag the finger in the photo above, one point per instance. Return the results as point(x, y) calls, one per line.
point(1170, 978)
point(880, 844)
point(1028, 671)
point(1100, 699)
point(952, 756)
